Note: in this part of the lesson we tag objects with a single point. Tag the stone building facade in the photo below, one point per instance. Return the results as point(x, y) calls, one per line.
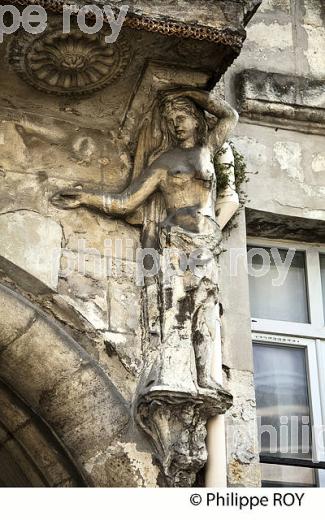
point(277, 85)
point(113, 373)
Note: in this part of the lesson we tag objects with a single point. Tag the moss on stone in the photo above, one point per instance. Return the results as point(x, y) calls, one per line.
point(241, 173)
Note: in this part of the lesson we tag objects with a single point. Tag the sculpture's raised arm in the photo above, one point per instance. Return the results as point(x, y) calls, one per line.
point(228, 201)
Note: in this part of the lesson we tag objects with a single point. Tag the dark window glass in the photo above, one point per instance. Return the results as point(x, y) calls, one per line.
point(283, 411)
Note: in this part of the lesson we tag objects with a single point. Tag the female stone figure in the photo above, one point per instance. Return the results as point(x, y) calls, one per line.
point(184, 173)
point(174, 165)
point(181, 169)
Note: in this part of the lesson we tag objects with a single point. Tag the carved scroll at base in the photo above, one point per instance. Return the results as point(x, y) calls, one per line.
point(176, 425)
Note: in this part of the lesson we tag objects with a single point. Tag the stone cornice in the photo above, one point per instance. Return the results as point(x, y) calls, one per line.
point(230, 35)
point(282, 100)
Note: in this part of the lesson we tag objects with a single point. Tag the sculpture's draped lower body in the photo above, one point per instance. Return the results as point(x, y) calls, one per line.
point(179, 395)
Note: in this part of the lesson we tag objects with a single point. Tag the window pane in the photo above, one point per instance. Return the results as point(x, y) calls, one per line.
point(282, 401)
point(281, 292)
point(275, 475)
point(322, 270)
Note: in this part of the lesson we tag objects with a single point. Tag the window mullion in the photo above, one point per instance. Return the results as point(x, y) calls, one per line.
point(314, 288)
point(320, 350)
point(315, 400)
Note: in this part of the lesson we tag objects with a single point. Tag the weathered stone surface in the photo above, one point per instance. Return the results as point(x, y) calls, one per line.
point(91, 406)
point(87, 296)
point(271, 5)
point(25, 317)
point(282, 88)
point(18, 457)
point(77, 154)
point(315, 49)
point(124, 465)
point(250, 7)
point(284, 227)
point(3, 435)
point(241, 428)
point(12, 417)
point(124, 304)
point(44, 453)
point(284, 37)
point(30, 351)
point(44, 366)
point(46, 457)
point(236, 341)
point(318, 162)
point(314, 13)
point(35, 244)
point(209, 21)
point(291, 194)
point(285, 100)
point(21, 191)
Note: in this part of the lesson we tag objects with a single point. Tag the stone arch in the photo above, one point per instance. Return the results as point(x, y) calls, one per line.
point(65, 396)
point(30, 455)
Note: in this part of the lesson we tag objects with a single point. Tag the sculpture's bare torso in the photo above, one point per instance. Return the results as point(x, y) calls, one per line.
point(188, 186)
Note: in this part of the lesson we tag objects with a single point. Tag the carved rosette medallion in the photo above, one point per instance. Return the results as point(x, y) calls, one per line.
point(68, 64)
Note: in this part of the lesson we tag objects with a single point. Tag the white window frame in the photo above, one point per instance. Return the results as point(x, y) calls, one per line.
point(316, 328)
point(310, 336)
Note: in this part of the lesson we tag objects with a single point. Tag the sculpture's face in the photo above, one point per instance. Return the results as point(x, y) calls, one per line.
point(183, 125)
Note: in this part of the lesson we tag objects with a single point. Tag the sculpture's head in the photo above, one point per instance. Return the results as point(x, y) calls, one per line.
point(185, 122)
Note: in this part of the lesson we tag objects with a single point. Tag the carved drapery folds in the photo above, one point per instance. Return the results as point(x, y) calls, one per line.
point(179, 395)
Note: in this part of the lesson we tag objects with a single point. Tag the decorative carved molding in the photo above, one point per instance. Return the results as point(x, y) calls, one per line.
point(68, 64)
point(227, 37)
point(183, 30)
point(176, 424)
point(282, 100)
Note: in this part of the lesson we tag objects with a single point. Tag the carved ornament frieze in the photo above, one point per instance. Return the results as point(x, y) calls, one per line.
point(169, 27)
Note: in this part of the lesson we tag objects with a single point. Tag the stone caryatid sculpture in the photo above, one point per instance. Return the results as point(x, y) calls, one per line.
point(175, 186)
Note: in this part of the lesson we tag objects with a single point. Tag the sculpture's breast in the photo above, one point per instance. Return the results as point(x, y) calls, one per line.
point(203, 165)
